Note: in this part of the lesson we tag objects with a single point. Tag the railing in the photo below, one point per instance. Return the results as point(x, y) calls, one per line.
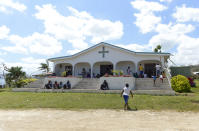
point(168, 75)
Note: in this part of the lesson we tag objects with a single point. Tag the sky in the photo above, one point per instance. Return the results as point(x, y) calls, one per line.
point(33, 31)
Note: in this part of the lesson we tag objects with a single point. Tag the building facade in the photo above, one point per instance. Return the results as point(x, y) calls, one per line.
point(103, 58)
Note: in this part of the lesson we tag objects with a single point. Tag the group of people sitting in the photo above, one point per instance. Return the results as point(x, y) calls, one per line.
point(57, 85)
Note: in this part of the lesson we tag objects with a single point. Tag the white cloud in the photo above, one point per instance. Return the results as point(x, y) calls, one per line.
point(4, 31)
point(168, 35)
point(15, 49)
point(176, 36)
point(79, 28)
point(146, 20)
point(72, 52)
point(32, 60)
point(187, 51)
point(166, 1)
point(29, 64)
point(37, 43)
point(6, 5)
point(185, 14)
point(136, 47)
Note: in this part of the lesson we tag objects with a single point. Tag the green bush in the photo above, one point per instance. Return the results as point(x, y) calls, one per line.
point(63, 74)
point(116, 72)
point(180, 83)
point(24, 82)
point(121, 73)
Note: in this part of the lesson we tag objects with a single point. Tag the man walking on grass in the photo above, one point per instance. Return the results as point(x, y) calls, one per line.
point(125, 93)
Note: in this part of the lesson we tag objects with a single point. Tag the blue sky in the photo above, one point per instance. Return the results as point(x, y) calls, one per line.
point(32, 31)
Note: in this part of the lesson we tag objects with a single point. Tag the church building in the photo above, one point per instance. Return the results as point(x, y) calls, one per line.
point(104, 58)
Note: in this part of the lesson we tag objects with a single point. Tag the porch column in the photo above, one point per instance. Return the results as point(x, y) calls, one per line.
point(73, 71)
point(91, 70)
point(114, 67)
point(53, 68)
point(162, 62)
point(136, 67)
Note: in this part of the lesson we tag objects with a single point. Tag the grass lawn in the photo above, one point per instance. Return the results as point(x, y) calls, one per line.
point(197, 82)
point(76, 101)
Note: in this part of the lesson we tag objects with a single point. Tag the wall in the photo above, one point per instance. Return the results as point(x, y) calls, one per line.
point(118, 83)
point(114, 56)
point(73, 80)
point(185, 71)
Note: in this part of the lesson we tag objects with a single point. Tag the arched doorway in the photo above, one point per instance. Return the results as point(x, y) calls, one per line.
point(124, 65)
point(101, 68)
point(82, 69)
point(61, 67)
point(149, 67)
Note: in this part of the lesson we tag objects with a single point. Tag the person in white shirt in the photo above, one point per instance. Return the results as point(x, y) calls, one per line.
point(161, 77)
point(125, 93)
point(157, 70)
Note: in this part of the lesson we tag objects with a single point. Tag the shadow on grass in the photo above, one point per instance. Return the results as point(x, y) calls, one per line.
point(5, 90)
point(131, 109)
point(195, 101)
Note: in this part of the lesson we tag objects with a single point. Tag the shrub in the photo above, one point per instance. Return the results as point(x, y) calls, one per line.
point(116, 72)
point(121, 73)
point(180, 83)
point(24, 82)
point(63, 74)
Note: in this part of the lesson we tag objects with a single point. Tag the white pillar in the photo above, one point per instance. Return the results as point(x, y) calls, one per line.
point(136, 67)
point(91, 70)
point(114, 67)
point(73, 70)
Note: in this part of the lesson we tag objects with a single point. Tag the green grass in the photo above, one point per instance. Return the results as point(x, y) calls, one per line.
point(197, 82)
point(76, 101)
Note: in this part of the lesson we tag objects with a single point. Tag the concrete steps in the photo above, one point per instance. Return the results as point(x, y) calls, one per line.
point(147, 84)
point(35, 84)
point(87, 84)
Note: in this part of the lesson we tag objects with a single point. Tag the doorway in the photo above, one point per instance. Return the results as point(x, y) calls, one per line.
point(106, 69)
point(150, 69)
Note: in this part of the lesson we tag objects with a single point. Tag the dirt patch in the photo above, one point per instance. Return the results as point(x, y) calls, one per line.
point(96, 120)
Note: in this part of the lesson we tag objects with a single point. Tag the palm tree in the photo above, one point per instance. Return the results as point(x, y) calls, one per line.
point(44, 67)
point(158, 49)
point(14, 74)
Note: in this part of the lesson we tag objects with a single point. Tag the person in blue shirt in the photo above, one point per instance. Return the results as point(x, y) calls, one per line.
point(154, 79)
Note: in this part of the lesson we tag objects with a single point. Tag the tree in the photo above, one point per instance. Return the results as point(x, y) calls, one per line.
point(158, 49)
point(14, 75)
point(44, 67)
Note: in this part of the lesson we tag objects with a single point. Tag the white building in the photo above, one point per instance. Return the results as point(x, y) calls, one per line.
point(103, 58)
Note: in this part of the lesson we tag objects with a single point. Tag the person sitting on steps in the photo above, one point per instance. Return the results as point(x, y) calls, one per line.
point(161, 77)
point(61, 85)
point(104, 86)
point(56, 85)
point(154, 78)
point(49, 85)
point(67, 85)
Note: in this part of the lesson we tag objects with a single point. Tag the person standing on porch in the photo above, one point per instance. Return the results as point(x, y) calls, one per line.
point(125, 93)
point(128, 71)
point(141, 70)
point(157, 70)
point(83, 73)
point(161, 77)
